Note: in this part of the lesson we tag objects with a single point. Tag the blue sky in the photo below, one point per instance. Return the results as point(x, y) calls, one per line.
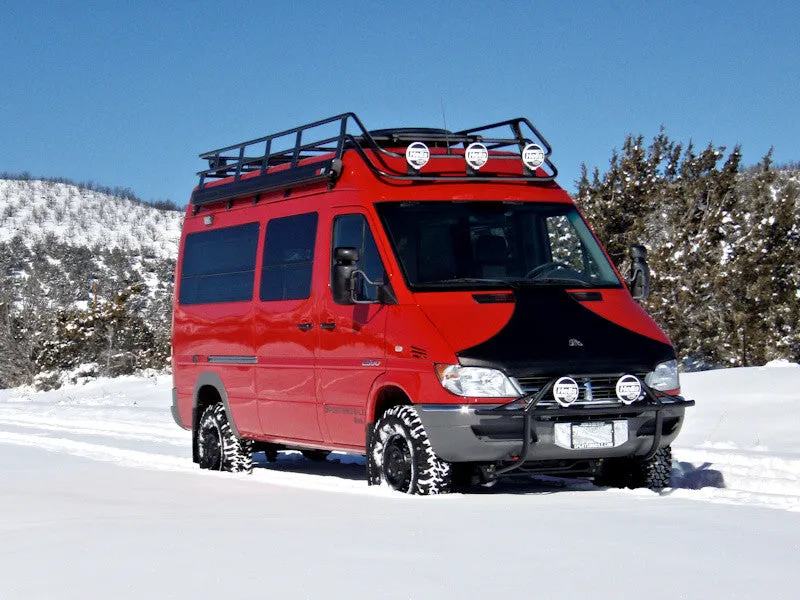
point(129, 93)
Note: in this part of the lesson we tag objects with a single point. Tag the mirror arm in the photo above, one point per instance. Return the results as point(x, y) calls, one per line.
point(385, 291)
point(353, 290)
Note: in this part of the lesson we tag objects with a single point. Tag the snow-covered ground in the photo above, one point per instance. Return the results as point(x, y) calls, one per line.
point(99, 499)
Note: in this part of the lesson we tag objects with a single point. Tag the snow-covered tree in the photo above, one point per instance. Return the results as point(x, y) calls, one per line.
point(724, 249)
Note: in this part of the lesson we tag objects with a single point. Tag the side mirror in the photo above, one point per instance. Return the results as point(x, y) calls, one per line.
point(640, 273)
point(345, 265)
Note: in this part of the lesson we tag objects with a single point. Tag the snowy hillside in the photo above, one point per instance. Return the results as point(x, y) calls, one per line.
point(82, 217)
point(85, 277)
point(99, 492)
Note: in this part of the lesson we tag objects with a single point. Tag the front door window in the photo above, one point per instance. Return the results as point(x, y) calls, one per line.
point(352, 231)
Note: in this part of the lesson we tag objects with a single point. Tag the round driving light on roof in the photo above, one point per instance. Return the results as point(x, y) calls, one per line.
point(417, 155)
point(533, 156)
point(629, 389)
point(476, 155)
point(565, 391)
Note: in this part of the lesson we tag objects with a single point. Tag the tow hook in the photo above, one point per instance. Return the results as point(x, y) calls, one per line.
point(487, 474)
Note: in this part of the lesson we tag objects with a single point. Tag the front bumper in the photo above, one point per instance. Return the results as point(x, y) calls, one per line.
point(494, 433)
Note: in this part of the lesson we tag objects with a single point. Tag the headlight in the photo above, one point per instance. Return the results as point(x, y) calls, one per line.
point(664, 377)
point(478, 382)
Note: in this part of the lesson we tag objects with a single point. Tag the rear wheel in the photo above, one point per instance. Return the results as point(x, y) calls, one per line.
point(218, 447)
point(403, 457)
point(633, 472)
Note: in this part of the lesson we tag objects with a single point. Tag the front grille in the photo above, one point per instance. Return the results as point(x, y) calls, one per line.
point(595, 390)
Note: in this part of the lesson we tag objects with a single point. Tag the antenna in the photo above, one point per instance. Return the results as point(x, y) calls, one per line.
point(446, 131)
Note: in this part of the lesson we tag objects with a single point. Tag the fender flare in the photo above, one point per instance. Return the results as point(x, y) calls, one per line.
point(382, 382)
point(209, 378)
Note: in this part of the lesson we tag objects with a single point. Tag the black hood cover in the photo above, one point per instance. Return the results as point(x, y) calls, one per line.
point(550, 333)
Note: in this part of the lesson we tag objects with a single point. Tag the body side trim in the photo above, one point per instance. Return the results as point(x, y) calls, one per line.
point(232, 360)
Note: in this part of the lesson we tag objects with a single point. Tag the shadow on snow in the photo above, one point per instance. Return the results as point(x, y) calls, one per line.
point(352, 468)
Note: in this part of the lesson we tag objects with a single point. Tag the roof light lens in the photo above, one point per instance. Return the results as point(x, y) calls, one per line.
point(476, 155)
point(533, 156)
point(417, 155)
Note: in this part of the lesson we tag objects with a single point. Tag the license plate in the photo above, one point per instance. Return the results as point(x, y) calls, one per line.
point(592, 435)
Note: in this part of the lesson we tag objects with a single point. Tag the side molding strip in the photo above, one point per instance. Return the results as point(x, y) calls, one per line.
point(233, 360)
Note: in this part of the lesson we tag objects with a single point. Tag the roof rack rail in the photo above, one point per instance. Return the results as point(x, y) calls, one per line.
point(312, 153)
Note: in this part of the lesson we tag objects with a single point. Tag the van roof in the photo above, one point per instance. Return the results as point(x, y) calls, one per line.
point(312, 154)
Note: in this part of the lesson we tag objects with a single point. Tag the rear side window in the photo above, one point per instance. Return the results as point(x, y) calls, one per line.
point(289, 257)
point(219, 265)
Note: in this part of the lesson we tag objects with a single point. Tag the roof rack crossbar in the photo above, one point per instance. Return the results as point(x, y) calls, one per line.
point(514, 124)
point(309, 162)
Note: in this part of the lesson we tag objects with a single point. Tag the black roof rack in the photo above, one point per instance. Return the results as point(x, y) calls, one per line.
point(327, 140)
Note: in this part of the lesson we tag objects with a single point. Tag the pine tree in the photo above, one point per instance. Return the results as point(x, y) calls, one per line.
point(724, 246)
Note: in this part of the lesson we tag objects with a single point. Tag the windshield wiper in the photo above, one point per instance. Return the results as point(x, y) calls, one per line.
point(474, 280)
point(564, 280)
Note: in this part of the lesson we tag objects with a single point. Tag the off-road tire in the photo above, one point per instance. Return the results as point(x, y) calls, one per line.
point(218, 447)
point(402, 457)
point(315, 455)
point(636, 473)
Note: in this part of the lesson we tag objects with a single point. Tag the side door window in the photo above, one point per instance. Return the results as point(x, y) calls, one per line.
point(352, 231)
point(289, 257)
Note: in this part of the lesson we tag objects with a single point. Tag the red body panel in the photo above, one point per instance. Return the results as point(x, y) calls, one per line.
point(318, 386)
point(461, 320)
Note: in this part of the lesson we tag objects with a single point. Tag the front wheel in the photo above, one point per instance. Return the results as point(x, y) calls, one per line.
point(635, 472)
point(403, 456)
point(218, 447)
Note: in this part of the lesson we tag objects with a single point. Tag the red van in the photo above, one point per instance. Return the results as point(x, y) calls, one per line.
point(430, 299)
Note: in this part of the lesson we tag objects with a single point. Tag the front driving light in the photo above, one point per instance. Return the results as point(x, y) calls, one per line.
point(664, 377)
point(477, 382)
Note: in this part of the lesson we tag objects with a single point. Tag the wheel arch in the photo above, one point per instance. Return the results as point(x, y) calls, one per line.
point(385, 397)
point(208, 389)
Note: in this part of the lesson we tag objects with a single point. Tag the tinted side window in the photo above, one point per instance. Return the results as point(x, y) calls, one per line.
point(289, 257)
point(219, 265)
point(352, 231)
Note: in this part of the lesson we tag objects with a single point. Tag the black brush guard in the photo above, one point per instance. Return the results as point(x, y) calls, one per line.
point(651, 403)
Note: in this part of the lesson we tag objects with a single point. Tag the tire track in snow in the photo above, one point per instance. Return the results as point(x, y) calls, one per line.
point(102, 452)
point(106, 429)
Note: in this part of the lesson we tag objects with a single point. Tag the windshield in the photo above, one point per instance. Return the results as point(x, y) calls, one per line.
point(491, 243)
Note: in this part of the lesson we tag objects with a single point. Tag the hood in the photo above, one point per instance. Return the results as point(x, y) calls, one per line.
point(547, 331)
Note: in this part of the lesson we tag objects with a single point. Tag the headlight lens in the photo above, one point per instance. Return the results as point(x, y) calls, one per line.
point(478, 382)
point(664, 377)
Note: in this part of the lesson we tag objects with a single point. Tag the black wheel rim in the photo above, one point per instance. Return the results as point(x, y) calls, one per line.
point(397, 463)
point(210, 447)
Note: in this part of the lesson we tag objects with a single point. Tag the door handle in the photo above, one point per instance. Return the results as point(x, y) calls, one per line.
point(329, 326)
point(305, 326)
